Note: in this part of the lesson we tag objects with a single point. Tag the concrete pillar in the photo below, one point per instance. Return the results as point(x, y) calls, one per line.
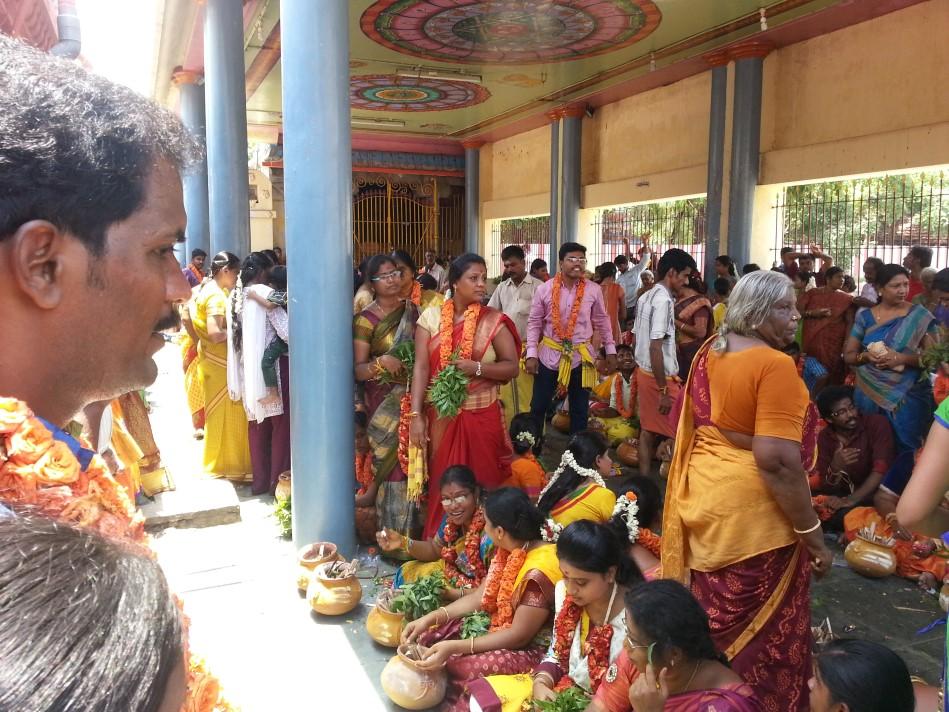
point(315, 69)
point(745, 153)
point(226, 126)
point(570, 173)
point(552, 261)
point(472, 195)
point(195, 182)
point(716, 162)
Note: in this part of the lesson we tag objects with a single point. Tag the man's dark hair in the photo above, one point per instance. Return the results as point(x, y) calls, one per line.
point(86, 623)
point(606, 270)
point(538, 264)
point(198, 252)
point(749, 268)
point(923, 254)
point(568, 247)
point(786, 250)
point(512, 251)
point(831, 396)
point(621, 260)
point(676, 259)
point(722, 286)
point(76, 149)
point(427, 281)
point(941, 280)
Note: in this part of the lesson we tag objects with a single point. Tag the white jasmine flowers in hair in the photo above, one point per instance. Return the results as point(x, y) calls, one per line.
point(550, 531)
point(628, 507)
point(568, 461)
point(526, 437)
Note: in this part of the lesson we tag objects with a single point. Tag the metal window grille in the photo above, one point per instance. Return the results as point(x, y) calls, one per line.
point(852, 220)
point(532, 234)
point(676, 223)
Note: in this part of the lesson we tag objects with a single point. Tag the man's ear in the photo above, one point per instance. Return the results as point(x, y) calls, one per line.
point(35, 261)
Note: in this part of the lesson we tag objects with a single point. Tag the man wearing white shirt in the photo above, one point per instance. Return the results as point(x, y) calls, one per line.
point(513, 297)
point(438, 273)
point(630, 277)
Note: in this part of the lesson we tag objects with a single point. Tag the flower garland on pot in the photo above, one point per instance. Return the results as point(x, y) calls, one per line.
point(499, 587)
point(449, 388)
point(627, 506)
point(568, 460)
point(41, 471)
point(449, 553)
point(596, 647)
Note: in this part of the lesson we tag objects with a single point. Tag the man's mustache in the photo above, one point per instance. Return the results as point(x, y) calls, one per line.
point(172, 321)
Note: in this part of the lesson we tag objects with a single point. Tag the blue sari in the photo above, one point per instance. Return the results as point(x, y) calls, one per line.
point(906, 397)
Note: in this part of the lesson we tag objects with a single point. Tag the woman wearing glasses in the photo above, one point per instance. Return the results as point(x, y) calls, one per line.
point(669, 662)
point(460, 549)
point(385, 324)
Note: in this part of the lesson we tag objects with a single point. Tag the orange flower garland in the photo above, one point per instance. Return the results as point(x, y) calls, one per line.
point(596, 647)
point(447, 328)
point(405, 407)
point(449, 553)
point(364, 476)
point(621, 408)
point(499, 587)
point(416, 296)
point(559, 333)
point(40, 471)
point(650, 541)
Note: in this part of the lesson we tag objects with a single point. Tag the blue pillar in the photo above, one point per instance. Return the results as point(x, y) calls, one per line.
point(570, 174)
point(195, 181)
point(226, 126)
point(716, 163)
point(472, 196)
point(746, 138)
point(317, 181)
point(552, 262)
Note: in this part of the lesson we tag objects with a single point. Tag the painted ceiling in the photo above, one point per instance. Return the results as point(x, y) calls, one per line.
point(458, 68)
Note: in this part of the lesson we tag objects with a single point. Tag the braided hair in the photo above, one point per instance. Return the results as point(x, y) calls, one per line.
point(585, 447)
point(253, 269)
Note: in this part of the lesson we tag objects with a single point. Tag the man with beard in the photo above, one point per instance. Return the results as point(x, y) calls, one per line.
point(854, 452)
point(563, 315)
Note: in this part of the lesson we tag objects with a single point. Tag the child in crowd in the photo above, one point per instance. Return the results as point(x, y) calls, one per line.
point(809, 368)
point(277, 299)
point(528, 441)
point(623, 390)
point(639, 526)
point(723, 287)
point(366, 486)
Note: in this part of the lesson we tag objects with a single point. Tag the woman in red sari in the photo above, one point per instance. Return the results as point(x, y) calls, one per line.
point(669, 662)
point(738, 519)
point(483, 344)
point(827, 314)
point(693, 322)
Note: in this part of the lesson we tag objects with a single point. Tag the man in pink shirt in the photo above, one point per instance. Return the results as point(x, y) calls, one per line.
point(558, 337)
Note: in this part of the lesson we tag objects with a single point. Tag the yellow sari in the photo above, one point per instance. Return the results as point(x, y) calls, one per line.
point(586, 502)
point(226, 449)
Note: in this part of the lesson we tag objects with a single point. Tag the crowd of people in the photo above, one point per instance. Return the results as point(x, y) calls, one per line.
point(781, 406)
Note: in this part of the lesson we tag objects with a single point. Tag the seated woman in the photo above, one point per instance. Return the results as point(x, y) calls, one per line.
point(669, 662)
point(590, 626)
point(527, 438)
point(860, 676)
point(518, 592)
point(461, 549)
point(636, 515)
point(576, 489)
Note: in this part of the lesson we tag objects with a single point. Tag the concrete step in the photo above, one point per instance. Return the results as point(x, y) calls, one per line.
point(198, 502)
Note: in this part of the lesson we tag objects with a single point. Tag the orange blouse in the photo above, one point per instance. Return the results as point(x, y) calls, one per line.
point(528, 475)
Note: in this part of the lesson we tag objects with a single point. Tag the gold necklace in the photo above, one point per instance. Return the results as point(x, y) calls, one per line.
point(689, 681)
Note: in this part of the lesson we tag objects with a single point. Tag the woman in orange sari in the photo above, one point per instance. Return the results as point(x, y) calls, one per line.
point(738, 518)
point(827, 314)
point(483, 344)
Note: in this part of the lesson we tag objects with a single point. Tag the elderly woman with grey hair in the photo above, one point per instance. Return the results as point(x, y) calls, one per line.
point(738, 521)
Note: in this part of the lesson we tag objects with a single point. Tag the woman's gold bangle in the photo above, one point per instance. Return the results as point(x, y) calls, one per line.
point(472, 647)
point(808, 531)
point(447, 616)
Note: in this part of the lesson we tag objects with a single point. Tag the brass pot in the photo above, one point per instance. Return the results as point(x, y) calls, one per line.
point(332, 596)
point(628, 453)
point(384, 626)
point(412, 688)
point(309, 557)
point(870, 559)
point(283, 487)
point(561, 421)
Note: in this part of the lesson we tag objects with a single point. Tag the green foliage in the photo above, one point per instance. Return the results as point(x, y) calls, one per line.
point(405, 352)
point(420, 597)
point(282, 513)
point(475, 625)
point(448, 391)
point(937, 354)
point(573, 699)
point(670, 222)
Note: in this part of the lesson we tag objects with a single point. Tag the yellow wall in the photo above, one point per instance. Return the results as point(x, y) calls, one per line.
point(517, 166)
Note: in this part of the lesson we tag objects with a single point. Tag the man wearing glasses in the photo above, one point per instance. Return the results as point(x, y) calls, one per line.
point(854, 451)
point(563, 315)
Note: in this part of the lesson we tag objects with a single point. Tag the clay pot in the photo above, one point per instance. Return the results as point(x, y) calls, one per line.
point(870, 559)
point(561, 421)
point(410, 687)
point(628, 453)
point(283, 487)
point(384, 626)
point(308, 557)
point(331, 596)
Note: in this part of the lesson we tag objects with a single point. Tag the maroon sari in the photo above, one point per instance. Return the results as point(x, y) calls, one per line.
point(824, 338)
